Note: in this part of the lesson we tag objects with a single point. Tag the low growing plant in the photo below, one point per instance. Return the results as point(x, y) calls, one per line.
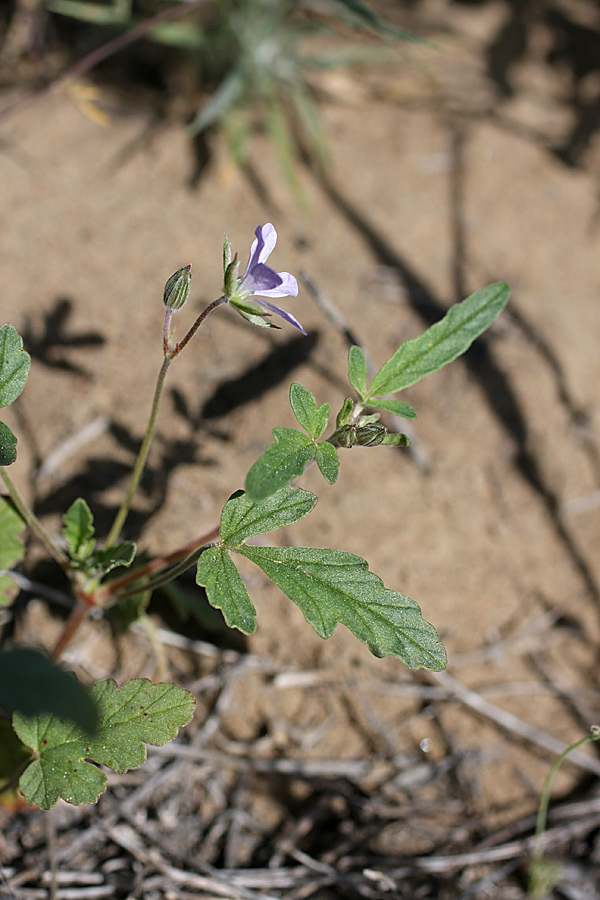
point(60, 729)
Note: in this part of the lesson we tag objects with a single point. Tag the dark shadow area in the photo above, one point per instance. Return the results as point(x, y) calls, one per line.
point(273, 369)
point(97, 475)
point(50, 340)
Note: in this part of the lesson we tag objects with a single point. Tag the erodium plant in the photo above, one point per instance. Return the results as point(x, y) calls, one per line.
point(60, 730)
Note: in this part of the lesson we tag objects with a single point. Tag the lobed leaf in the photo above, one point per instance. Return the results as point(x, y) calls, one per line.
point(441, 343)
point(14, 365)
point(282, 461)
point(138, 713)
point(304, 407)
point(225, 589)
point(332, 587)
point(30, 683)
point(8, 446)
point(243, 517)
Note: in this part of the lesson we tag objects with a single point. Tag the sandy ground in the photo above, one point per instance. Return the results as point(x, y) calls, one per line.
point(492, 525)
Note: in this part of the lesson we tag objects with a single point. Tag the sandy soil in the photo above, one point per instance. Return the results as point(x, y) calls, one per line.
point(437, 188)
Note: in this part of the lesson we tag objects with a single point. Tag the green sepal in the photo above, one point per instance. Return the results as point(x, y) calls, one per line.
point(139, 712)
point(11, 549)
point(396, 439)
point(345, 413)
point(441, 343)
point(282, 461)
point(357, 371)
point(396, 407)
point(225, 589)
point(243, 517)
point(14, 365)
point(332, 587)
point(304, 406)
point(8, 446)
point(31, 684)
point(328, 461)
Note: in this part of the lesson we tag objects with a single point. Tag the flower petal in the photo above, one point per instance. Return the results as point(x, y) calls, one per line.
point(261, 279)
point(287, 287)
point(280, 312)
point(262, 246)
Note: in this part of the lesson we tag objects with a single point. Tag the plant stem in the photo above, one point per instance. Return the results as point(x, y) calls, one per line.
point(171, 575)
point(155, 565)
point(76, 618)
point(140, 462)
point(34, 523)
point(179, 347)
point(542, 814)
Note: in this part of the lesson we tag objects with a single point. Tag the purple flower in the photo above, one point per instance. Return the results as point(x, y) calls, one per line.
point(259, 281)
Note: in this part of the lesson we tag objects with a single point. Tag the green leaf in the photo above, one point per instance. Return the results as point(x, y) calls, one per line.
point(441, 343)
point(8, 446)
point(137, 713)
point(396, 407)
point(104, 561)
point(243, 517)
point(11, 548)
point(30, 683)
point(330, 586)
point(328, 461)
point(304, 407)
point(357, 371)
point(78, 530)
point(225, 589)
point(287, 458)
point(14, 365)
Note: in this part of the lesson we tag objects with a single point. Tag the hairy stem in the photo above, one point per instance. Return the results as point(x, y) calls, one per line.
point(140, 462)
point(156, 565)
point(179, 347)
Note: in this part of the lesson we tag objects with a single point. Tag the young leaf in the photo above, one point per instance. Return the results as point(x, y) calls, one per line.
point(11, 549)
point(78, 530)
point(357, 371)
point(328, 461)
point(330, 586)
point(14, 365)
point(441, 343)
point(225, 589)
point(8, 446)
point(104, 561)
point(287, 458)
point(30, 683)
point(396, 407)
point(304, 407)
point(139, 712)
point(243, 518)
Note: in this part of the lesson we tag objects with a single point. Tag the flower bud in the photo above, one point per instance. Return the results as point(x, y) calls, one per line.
point(177, 288)
point(370, 435)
